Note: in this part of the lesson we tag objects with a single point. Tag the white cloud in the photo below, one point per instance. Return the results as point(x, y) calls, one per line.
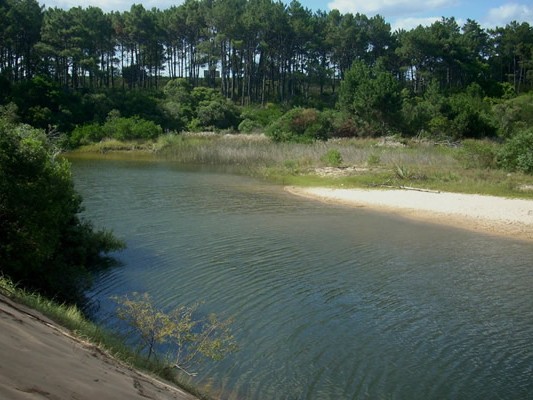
point(502, 15)
point(388, 8)
point(111, 5)
point(412, 22)
point(105, 5)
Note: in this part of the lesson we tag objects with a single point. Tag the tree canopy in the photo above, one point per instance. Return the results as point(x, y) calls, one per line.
point(191, 66)
point(252, 50)
point(44, 245)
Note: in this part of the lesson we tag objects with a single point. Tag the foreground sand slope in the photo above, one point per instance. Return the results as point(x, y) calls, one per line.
point(42, 361)
point(489, 214)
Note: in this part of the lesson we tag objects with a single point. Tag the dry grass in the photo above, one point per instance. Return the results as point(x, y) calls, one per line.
point(365, 162)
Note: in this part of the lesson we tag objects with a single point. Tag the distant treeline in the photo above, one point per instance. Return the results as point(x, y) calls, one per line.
point(253, 51)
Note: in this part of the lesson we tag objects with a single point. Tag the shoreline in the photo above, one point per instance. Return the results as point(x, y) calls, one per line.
point(42, 359)
point(512, 218)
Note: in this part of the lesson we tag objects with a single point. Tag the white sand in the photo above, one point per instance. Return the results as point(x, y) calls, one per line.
point(40, 360)
point(489, 214)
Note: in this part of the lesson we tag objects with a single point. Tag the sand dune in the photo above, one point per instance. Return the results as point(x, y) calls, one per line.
point(43, 361)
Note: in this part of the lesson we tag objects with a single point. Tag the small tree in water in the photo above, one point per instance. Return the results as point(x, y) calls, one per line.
point(190, 339)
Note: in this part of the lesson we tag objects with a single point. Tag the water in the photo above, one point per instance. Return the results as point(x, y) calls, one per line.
point(329, 302)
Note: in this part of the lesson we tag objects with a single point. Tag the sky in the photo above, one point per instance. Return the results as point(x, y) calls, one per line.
point(401, 14)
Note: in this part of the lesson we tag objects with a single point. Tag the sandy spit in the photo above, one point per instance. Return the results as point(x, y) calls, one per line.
point(40, 360)
point(487, 214)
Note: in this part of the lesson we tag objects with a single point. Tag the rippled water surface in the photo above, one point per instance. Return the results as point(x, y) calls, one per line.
point(329, 302)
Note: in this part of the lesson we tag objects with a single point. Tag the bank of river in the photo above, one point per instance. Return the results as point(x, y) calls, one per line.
point(486, 214)
point(329, 301)
point(43, 360)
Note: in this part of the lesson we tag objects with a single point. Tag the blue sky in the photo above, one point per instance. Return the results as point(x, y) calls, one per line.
point(405, 14)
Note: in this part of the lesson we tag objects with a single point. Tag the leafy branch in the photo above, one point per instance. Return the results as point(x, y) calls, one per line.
point(191, 339)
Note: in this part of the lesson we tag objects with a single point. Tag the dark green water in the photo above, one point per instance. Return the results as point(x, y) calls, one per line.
point(329, 302)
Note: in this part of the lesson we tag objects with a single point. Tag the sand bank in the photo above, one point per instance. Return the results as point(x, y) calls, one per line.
point(40, 360)
point(487, 214)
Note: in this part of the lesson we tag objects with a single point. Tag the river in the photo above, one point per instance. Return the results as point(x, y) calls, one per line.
point(329, 302)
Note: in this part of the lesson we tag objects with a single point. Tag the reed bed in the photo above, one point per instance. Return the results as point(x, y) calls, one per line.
point(259, 151)
point(363, 162)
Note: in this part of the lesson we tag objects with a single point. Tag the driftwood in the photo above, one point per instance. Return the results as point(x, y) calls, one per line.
point(406, 188)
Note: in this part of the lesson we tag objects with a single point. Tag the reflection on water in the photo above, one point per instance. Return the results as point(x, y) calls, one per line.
point(329, 302)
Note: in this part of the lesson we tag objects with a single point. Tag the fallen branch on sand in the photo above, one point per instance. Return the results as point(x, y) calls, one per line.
point(406, 188)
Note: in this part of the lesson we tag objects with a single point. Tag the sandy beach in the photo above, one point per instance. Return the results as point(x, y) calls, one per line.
point(41, 360)
point(486, 214)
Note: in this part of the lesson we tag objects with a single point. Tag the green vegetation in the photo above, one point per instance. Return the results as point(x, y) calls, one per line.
point(188, 339)
point(517, 153)
point(141, 78)
point(472, 166)
point(373, 96)
point(44, 245)
point(303, 125)
point(295, 96)
point(299, 97)
point(251, 66)
point(333, 158)
point(117, 128)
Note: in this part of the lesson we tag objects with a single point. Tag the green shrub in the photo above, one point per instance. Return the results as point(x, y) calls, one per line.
point(131, 128)
point(178, 114)
point(194, 125)
point(302, 125)
point(249, 126)
point(371, 93)
point(517, 153)
point(514, 115)
point(333, 158)
point(178, 90)
point(86, 134)
point(263, 116)
point(198, 108)
point(478, 154)
point(115, 127)
point(44, 245)
point(345, 125)
point(202, 94)
point(469, 117)
point(439, 126)
point(218, 113)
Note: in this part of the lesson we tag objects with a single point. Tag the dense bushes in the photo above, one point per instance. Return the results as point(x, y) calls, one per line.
point(131, 128)
point(258, 118)
point(455, 116)
point(517, 153)
point(198, 108)
point(514, 114)
point(371, 102)
point(372, 95)
point(218, 113)
point(300, 125)
point(115, 127)
point(43, 243)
